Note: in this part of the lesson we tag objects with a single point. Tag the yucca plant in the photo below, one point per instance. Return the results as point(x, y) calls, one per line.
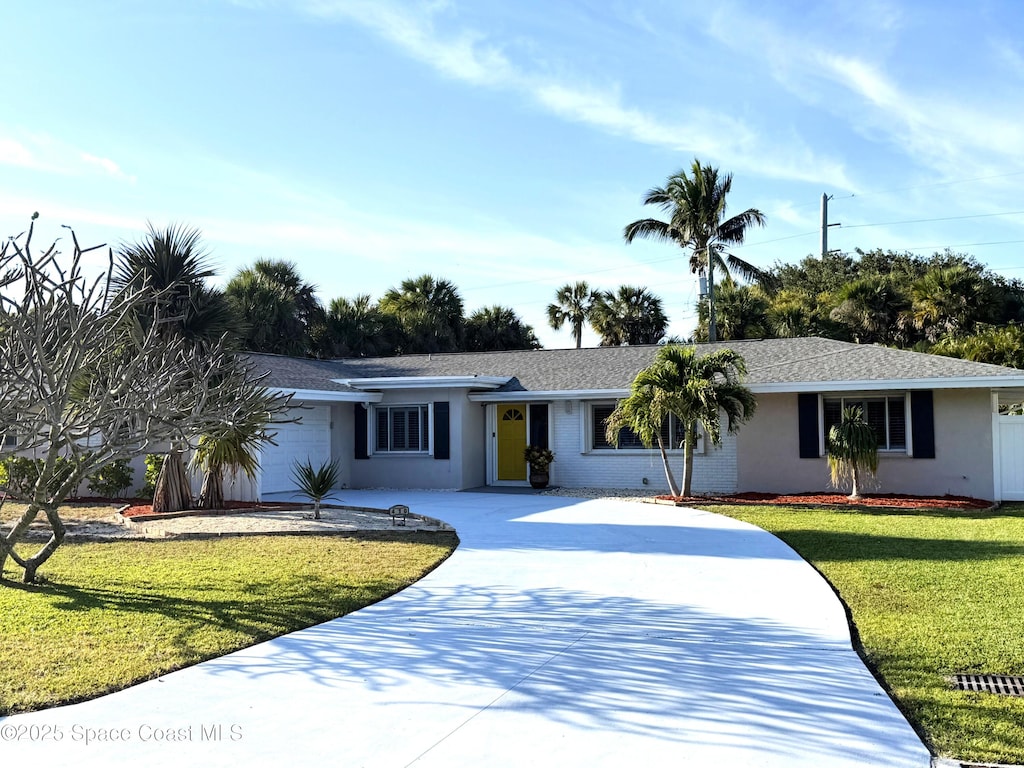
point(852, 450)
point(315, 483)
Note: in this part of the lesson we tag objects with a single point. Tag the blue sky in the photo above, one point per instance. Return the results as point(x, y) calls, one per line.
point(504, 145)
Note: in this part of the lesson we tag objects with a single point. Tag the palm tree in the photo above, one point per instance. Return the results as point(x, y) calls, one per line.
point(999, 345)
point(496, 328)
point(279, 312)
point(430, 313)
point(267, 313)
point(696, 390)
point(852, 450)
point(695, 205)
point(573, 305)
point(237, 449)
point(632, 315)
point(173, 264)
point(949, 301)
point(357, 328)
point(873, 308)
point(790, 314)
point(741, 313)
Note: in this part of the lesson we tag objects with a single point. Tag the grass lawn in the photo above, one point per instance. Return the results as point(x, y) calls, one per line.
point(115, 613)
point(932, 593)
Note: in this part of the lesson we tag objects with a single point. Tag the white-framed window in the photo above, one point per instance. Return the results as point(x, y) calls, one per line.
point(886, 414)
point(401, 429)
point(672, 433)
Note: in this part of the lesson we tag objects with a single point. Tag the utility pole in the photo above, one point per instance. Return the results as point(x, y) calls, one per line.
point(712, 329)
point(824, 224)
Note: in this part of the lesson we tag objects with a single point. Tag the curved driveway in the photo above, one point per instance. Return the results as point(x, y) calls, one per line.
point(562, 632)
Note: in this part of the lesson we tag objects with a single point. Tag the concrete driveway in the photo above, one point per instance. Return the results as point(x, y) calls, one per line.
point(562, 632)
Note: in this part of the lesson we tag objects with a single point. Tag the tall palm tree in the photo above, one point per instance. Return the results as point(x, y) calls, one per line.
point(631, 315)
point(573, 305)
point(696, 390)
point(173, 264)
point(497, 328)
point(695, 204)
point(430, 311)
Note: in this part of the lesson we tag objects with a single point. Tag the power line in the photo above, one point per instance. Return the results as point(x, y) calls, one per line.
point(966, 245)
point(925, 221)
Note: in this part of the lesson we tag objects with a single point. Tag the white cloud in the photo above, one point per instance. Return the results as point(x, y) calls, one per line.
point(941, 131)
point(799, 216)
point(44, 153)
point(471, 57)
point(15, 153)
point(465, 56)
point(107, 165)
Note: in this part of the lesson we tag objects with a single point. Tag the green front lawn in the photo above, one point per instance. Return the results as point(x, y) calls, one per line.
point(932, 593)
point(112, 614)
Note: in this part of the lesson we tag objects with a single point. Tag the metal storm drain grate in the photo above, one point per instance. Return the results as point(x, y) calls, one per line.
point(1002, 684)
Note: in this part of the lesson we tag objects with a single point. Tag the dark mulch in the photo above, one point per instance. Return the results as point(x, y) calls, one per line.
point(900, 501)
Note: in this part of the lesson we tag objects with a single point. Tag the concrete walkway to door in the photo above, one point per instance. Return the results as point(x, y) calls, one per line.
point(562, 632)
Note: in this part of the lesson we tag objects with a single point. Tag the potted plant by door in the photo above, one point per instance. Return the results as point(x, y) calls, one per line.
point(539, 460)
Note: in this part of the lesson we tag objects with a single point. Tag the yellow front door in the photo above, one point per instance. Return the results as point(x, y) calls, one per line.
point(511, 442)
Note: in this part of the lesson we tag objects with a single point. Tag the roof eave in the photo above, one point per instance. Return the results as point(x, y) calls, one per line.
point(550, 394)
point(327, 395)
point(958, 382)
point(425, 382)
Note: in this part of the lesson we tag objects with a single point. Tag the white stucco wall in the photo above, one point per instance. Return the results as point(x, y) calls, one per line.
point(577, 466)
point(471, 447)
point(463, 470)
point(769, 451)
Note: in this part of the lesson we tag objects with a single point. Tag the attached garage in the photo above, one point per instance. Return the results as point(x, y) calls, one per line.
point(307, 439)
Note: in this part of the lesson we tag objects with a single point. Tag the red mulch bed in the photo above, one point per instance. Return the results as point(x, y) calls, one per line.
point(140, 507)
point(900, 501)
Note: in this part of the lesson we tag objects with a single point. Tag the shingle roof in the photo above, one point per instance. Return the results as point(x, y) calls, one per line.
point(778, 362)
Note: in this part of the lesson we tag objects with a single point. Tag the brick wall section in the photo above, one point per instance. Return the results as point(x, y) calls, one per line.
point(714, 471)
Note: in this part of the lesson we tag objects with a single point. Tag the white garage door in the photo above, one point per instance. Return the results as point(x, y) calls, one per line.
point(310, 438)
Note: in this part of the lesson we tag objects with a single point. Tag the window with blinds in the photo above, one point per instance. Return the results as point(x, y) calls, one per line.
point(887, 416)
point(402, 429)
point(671, 432)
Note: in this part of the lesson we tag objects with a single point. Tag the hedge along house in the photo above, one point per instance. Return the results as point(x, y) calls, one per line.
point(458, 421)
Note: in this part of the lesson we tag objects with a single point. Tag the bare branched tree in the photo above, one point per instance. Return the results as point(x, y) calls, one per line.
point(86, 377)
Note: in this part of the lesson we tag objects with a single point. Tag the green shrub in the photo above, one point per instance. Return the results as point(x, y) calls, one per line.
point(23, 474)
point(154, 463)
point(111, 480)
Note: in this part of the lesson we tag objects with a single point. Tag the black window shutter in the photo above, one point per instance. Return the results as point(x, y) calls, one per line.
point(359, 410)
point(442, 431)
point(807, 409)
point(539, 424)
point(922, 420)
